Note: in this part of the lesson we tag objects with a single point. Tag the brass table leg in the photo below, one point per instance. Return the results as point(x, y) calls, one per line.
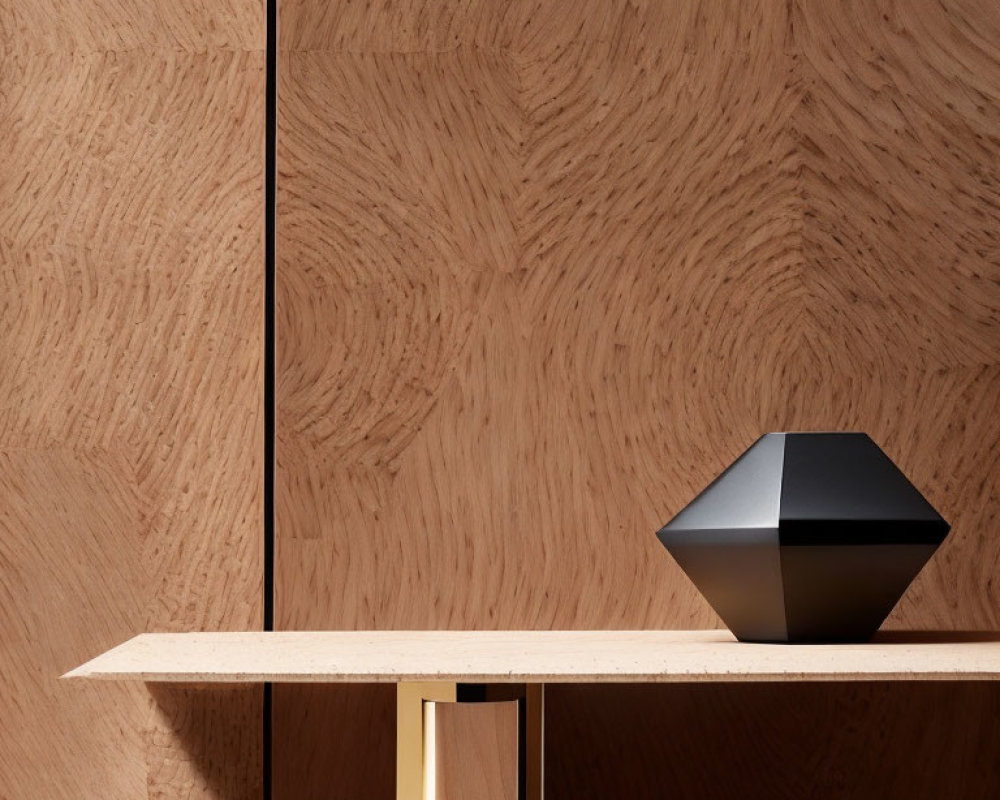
point(416, 734)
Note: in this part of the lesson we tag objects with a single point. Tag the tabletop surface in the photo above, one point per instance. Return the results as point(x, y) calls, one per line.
point(538, 656)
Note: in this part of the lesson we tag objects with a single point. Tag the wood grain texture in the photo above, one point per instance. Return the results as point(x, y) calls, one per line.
point(854, 741)
point(204, 741)
point(542, 275)
point(491, 657)
point(318, 753)
point(476, 749)
point(130, 374)
point(509, 318)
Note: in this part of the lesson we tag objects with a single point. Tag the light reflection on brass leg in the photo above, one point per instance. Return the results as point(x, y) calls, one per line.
point(414, 750)
point(416, 760)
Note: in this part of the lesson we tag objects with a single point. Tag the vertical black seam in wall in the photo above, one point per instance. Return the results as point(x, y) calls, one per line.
point(270, 158)
point(269, 339)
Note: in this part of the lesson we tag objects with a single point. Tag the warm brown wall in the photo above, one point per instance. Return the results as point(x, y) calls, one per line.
point(543, 275)
point(545, 269)
point(131, 269)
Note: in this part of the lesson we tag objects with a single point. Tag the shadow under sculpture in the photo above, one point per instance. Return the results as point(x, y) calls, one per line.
point(806, 537)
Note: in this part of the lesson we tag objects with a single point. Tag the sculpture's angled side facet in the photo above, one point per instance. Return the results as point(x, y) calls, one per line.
point(805, 537)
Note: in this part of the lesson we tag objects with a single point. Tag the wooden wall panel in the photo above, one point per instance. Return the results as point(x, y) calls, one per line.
point(131, 280)
point(848, 741)
point(476, 286)
point(476, 747)
point(543, 274)
point(334, 740)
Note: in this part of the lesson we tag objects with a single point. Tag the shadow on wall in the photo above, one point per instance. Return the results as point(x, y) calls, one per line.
point(835, 741)
point(841, 741)
point(349, 746)
point(204, 741)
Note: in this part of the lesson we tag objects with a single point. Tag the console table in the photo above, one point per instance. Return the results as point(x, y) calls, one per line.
point(504, 674)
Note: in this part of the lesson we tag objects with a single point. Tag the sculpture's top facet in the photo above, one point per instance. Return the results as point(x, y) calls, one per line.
point(816, 477)
point(746, 495)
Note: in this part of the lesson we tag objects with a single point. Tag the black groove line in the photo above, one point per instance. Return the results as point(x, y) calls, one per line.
point(270, 158)
point(269, 339)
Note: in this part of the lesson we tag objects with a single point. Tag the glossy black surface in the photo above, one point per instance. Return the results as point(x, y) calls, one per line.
point(806, 537)
point(846, 476)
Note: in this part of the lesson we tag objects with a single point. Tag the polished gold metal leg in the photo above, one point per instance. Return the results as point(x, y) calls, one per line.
point(416, 759)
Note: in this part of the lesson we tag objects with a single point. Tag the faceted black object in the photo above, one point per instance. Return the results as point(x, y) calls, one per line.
point(806, 537)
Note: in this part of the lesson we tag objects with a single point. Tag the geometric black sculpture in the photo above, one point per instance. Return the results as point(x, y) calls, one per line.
point(806, 537)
